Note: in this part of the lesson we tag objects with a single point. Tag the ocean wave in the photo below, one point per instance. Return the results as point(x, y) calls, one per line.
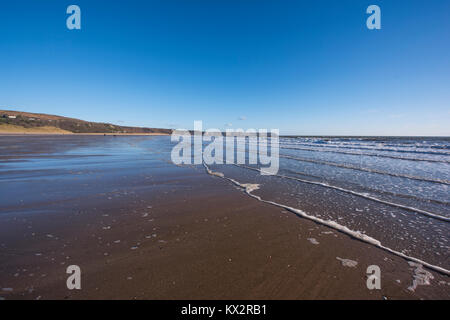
point(367, 154)
point(374, 148)
point(346, 166)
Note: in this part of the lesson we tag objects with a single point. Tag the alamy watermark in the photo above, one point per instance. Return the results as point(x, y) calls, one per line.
point(373, 277)
point(74, 280)
point(73, 22)
point(374, 20)
point(234, 146)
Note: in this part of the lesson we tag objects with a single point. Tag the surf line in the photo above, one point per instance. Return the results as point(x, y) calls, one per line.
point(366, 154)
point(345, 166)
point(249, 188)
point(365, 196)
point(387, 149)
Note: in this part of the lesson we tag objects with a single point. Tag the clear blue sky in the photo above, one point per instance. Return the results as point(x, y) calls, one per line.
point(305, 67)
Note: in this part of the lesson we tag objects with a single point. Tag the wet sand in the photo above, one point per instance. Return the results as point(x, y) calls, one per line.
point(183, 234)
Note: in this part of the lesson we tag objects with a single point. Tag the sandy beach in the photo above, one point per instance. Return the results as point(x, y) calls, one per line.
point(225, 158)
point(172, 232)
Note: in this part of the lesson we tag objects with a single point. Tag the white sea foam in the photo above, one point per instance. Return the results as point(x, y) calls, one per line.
point(399, 148)
point(347, 262)
point(249, 187)
point(214, 173)
point(421, 276)
point(366, 154)
point(313, 240)
point(334, 225)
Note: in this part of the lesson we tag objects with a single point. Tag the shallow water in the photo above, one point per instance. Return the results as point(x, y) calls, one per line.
point(35, 170)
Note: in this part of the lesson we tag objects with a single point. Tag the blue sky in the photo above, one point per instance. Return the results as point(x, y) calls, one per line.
point(304, 67)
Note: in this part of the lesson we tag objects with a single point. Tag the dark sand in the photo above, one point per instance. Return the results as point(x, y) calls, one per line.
point(212, 242)
point(188, 236)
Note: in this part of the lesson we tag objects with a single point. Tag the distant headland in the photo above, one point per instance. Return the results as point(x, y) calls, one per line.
point(18, 122)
